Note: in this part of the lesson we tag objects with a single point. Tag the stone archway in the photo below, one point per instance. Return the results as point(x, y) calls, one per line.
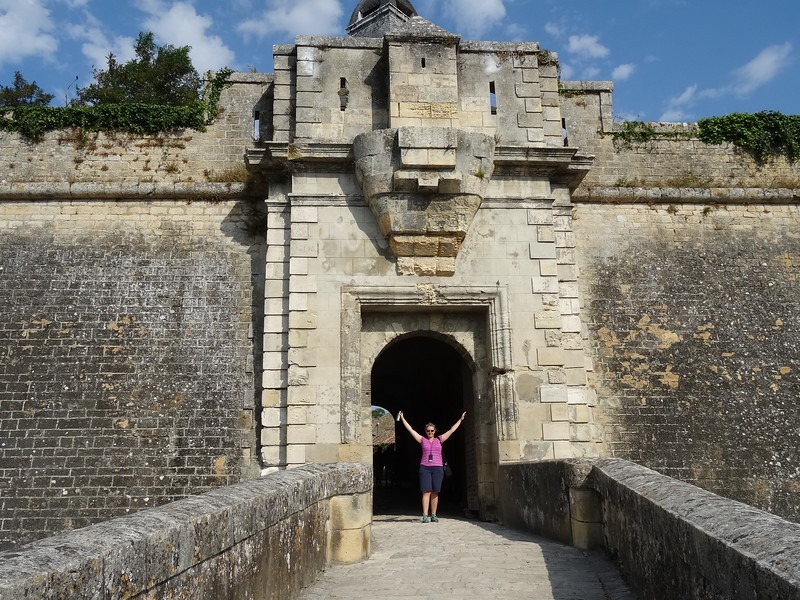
point(430, 380)
point(473, 320)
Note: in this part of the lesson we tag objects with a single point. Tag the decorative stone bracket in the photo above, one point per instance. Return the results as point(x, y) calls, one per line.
point(424, 186)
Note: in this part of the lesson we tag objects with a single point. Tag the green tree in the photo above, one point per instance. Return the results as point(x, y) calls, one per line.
point(23, 93)
point(157, 75)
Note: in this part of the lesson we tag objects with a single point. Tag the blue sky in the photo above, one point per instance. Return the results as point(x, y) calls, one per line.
point(670, 60)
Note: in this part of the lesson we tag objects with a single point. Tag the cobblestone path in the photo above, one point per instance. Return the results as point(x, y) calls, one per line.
point(462, 559)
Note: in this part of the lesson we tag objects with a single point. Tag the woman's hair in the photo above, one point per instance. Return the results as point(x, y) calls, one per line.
point(430, 425)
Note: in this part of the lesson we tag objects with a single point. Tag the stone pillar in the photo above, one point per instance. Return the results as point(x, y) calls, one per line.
point(350, 528)
point(276, 316)
point(586, 518)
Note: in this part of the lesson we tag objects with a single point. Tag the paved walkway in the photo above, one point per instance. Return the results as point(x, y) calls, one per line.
point(460, 559)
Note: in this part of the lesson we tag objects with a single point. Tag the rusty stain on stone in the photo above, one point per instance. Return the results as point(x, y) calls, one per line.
point(220, 463)
point(39, 326)
point(608, 336)
point(669, 378)
point(666, 337)
point(704, 332)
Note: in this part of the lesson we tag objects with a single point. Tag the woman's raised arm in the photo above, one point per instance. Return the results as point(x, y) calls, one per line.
point(413, 433)
point(450, 431)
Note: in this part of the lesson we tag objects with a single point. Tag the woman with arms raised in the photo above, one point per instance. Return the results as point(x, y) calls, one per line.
point(431, 464)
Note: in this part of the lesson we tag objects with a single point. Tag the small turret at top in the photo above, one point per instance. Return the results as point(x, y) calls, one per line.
point(375, 18)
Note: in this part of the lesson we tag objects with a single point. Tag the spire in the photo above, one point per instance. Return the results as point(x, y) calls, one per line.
point(375, 18)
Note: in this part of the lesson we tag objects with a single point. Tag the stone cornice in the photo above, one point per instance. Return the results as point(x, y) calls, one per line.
point(120, 191)
point(561, 165)
point(272, 154)
point(672, 195)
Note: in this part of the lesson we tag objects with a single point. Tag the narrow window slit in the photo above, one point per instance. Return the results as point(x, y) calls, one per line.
point(492, 98)
point(344, 93)
point(564, 132)
point(423, 62)
point(257, 126)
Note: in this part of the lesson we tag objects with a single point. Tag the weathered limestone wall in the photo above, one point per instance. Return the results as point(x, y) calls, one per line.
point(341, 91)
point(672, 539)
point(692, 317)
point(519, 248)
point(70, 158)
point(688, 259)
point(332, 89)
point(525, 84)
point(664, 169)
point(240, 541)
point(129, 343)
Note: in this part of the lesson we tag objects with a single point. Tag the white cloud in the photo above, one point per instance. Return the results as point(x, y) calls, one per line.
point(676, 107)
point(25, 27)
point(179, 24)
point(590, 73)
point(759, 71)
point(295, 17)
point(97, 46)
point(516, 33)
point(567, 71)
point(586, 46)
point(763, 68)
point(623, 72)
point(555, 29)
point(475, 17)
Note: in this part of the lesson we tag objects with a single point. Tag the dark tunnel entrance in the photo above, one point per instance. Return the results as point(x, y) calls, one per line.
point(430, 381)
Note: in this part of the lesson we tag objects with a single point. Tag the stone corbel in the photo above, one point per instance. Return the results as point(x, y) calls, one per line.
point(424, 185)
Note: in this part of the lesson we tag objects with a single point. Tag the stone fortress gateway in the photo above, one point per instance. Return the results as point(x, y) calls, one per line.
point(427, 215)
point(431, 225)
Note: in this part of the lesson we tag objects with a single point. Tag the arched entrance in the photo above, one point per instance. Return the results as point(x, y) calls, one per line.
point(468, 322)
point(430, 379)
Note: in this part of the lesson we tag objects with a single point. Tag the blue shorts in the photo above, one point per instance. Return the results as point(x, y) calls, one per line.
point(430, 478)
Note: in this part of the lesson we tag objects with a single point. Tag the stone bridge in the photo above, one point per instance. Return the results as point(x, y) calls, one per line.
point(273, 537)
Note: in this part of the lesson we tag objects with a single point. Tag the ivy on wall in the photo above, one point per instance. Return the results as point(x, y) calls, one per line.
point(33, 122)
point(644, 134)
point(763, 134)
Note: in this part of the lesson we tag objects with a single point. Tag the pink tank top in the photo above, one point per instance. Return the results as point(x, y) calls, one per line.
point(431, 450)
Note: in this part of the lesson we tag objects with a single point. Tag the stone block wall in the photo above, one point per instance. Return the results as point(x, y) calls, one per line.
point(341, 88)
point(423, 84)
point(74, 157)
point(671, 539)
point(329, 241)
point(264, 540)
point(675, 540)
point(654, 169)
point(129, 339)
point(332, 89)
point(691, 310)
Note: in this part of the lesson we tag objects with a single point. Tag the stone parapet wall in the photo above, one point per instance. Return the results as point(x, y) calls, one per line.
point(674, 540)
point(671, 539)
point(682, 162)
point(185, 156)
point(692, 320)
point(264, 539)
point(129, 343)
